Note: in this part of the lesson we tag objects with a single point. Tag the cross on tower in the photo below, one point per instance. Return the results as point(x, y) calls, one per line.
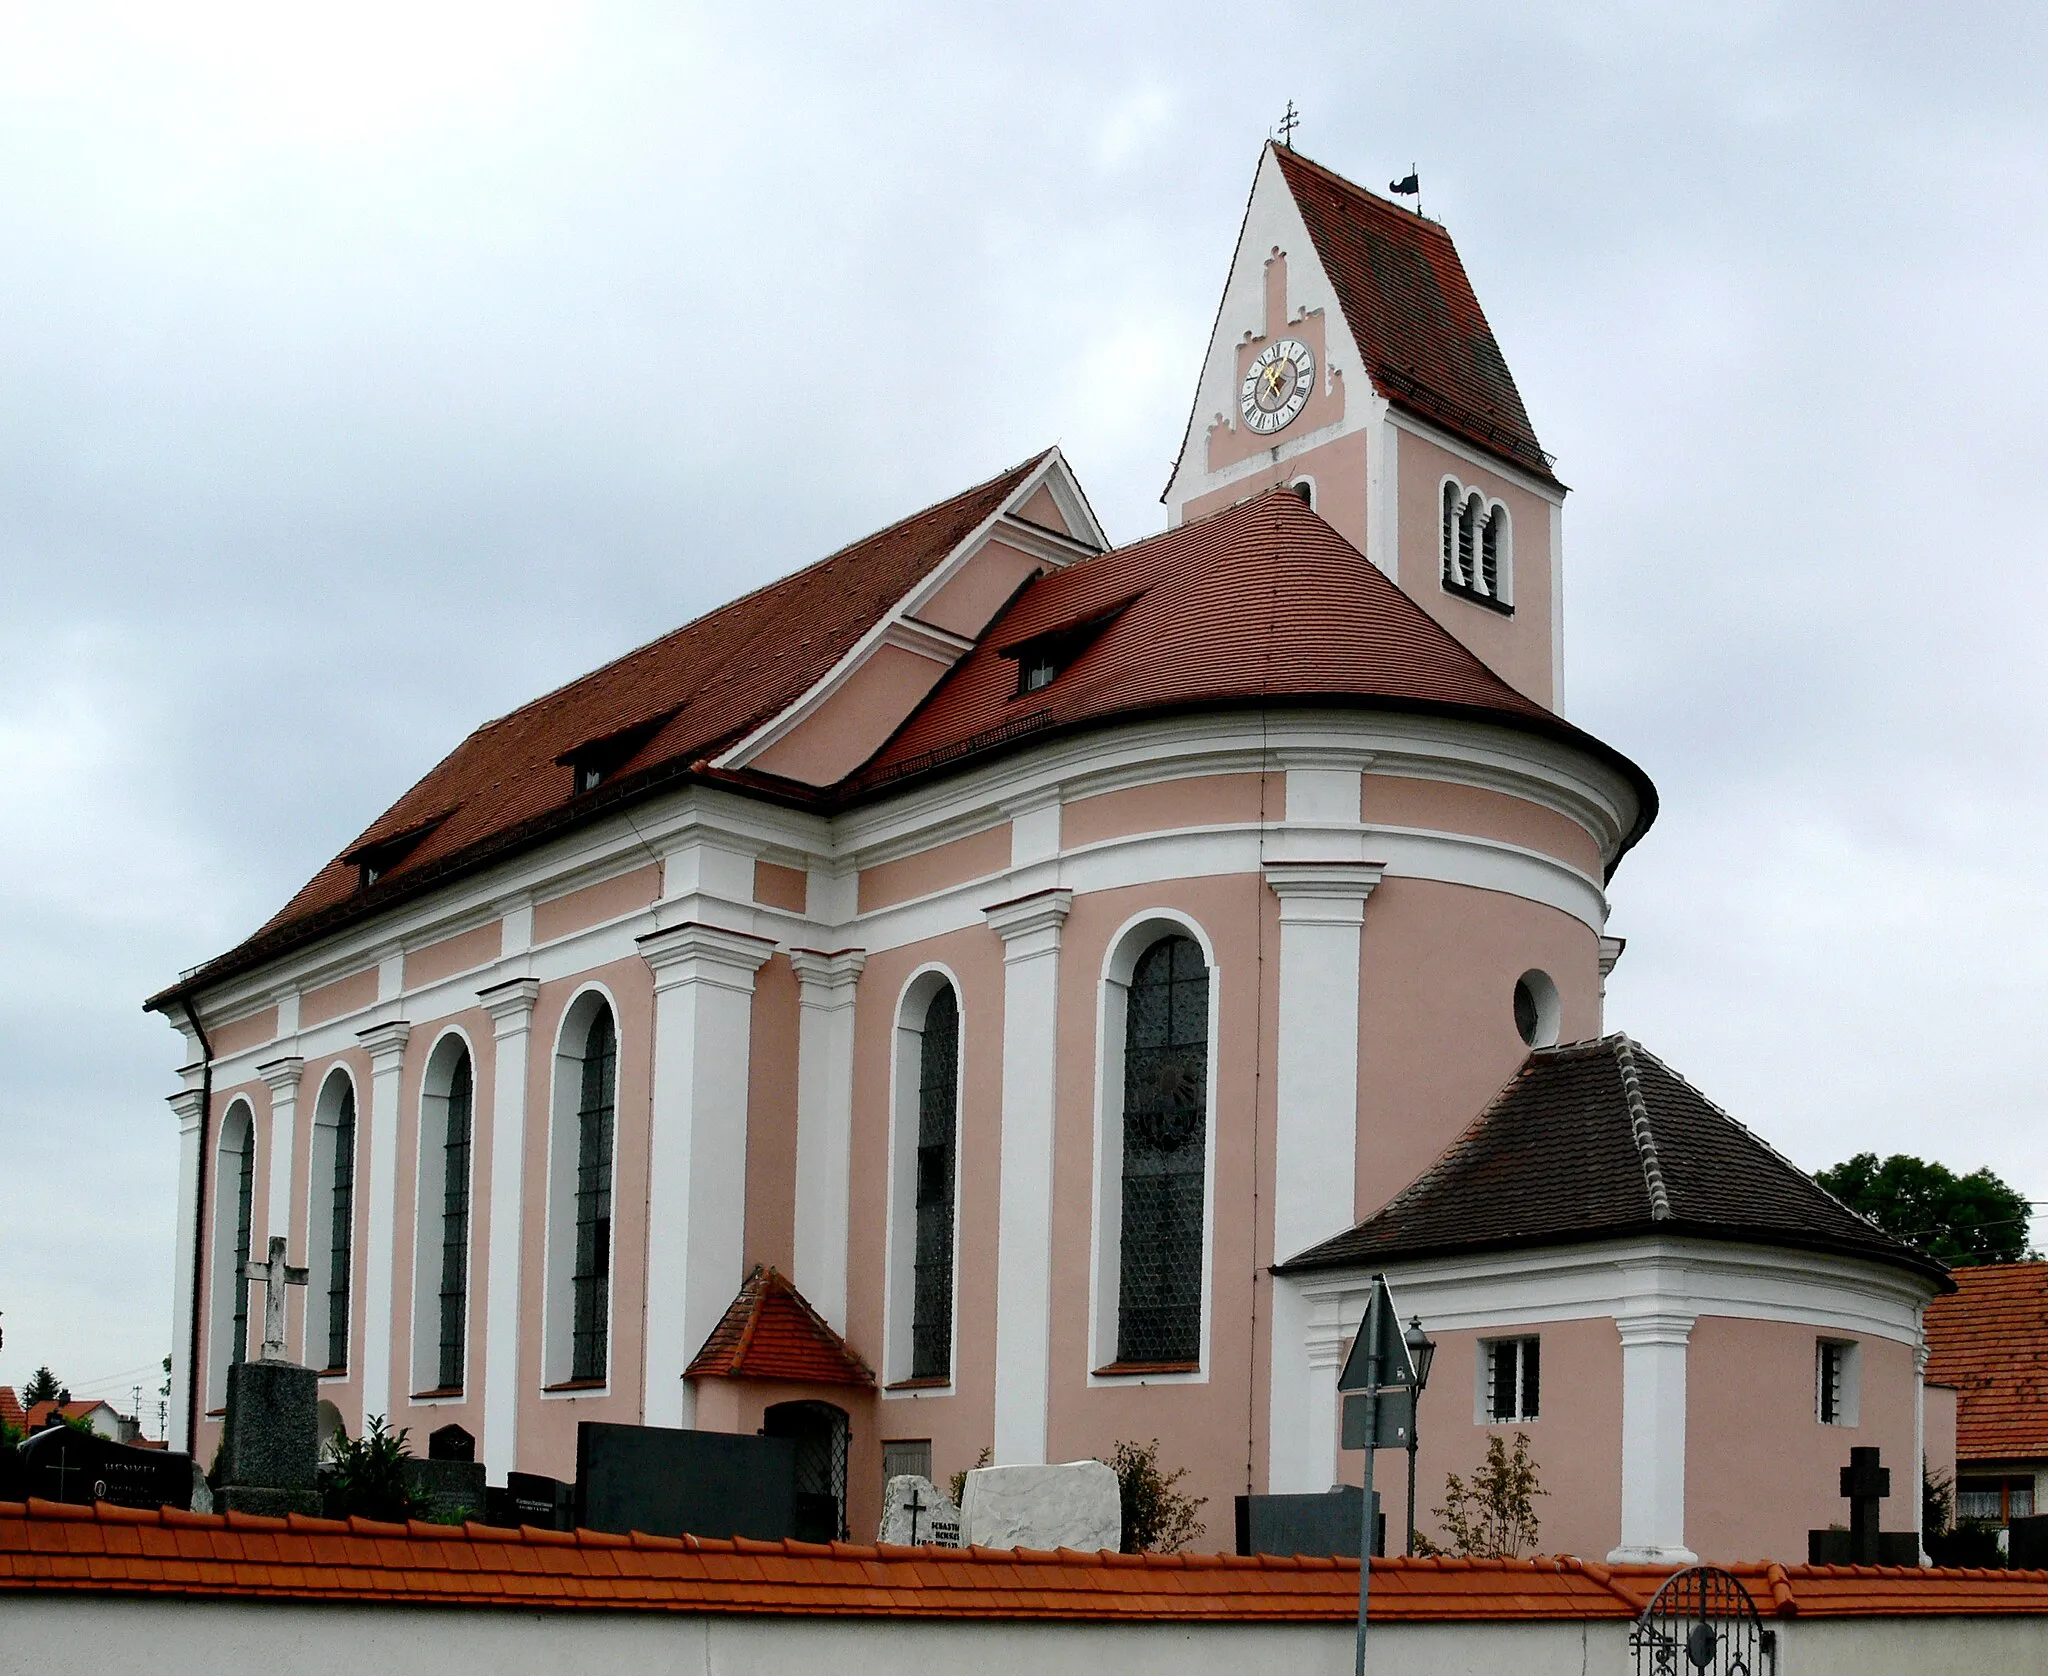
point(1288, 124)
point(276, 1275)
point(1865, 1483)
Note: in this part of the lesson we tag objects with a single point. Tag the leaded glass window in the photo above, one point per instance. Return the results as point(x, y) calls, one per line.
point(245, 1191)
point(341, 1228)
point(455, 1225)
point(1166, 1097)
point(938, 1128)
point(592, 1284)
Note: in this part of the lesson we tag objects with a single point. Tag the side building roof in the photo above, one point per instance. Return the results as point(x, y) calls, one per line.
point(1603, 1140)
point(1990, 1341)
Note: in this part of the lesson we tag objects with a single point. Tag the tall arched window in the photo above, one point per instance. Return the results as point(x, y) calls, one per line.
point(938, 1129)
point(441, 1247)
point(341, 1224)
point(578, 1330)
point(1165, 1142)
point(234, 1201)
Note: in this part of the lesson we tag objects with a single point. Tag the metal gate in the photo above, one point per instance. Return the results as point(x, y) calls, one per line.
point(822, 1436)
point(1702, 1623)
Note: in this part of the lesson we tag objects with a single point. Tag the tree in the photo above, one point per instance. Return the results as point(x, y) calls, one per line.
point(1157, 1518)
point(365, 1476)
point(1959, 1219)
point(1493, 1517)
point(43, 1387)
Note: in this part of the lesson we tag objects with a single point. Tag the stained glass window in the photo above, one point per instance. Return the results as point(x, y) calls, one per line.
point(1166, 1097)
point(590, 1326)
point(938, 1127)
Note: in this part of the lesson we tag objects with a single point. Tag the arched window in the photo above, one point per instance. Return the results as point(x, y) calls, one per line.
point(938, 1124)
point(822, 1434)
point(1477, 557)
point(331, 1243)
point(441, 1248)
point(1165, 1144)
point(580, 1194)
point(234, 1201)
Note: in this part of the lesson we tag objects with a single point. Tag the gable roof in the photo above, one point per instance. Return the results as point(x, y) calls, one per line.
point(770, 1331)
point(695, 690)
point(11, 1412)
point(1990, 1341)
point(1603, 1140)
point(51, 1548)
point(1413, 313)
point(1263, 602)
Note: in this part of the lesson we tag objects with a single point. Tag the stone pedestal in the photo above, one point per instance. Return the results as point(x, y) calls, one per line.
point(270, 1504)
point(1075, 1505)
point(270, 1444)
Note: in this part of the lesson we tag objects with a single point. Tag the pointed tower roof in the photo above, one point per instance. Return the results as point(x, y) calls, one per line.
point(1603, 1140)
point(771, 1332)
point(1412, 312)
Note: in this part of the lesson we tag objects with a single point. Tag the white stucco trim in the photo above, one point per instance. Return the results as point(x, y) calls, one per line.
point(824, 1124)
point(188, 1108)
point(430, 1133)
point(281, 1077)
point(510, 1005)
point(558, 1219)
point(385, 1043)
point(918, 992)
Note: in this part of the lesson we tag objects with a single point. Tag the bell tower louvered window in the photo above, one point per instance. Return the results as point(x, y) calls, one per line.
point(1476, 552)
point(938, 1128)
point(1165, 1140)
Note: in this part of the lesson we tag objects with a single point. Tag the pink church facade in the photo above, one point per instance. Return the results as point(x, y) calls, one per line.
point(1029, 948)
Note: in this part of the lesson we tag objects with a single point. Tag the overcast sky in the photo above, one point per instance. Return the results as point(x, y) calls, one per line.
point(366, 370)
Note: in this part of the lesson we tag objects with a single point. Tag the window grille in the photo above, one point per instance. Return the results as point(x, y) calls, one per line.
point(455, 1225)
point(245, 1189)
point(938, 1098)
point(1831, 1376)
point(823, 1436)
point(592, 1285)
point(1514, 1379)
point(341, 1229)
point(1166, 1093)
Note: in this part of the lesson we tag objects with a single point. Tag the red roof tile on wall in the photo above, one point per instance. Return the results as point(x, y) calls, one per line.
point(107, 1550)
point(770, 1331)
point(1990, 1341)
point(1413, 313)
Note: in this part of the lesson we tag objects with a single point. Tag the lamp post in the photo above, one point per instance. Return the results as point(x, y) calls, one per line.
point(1421, 1351)
point(1380, 1366)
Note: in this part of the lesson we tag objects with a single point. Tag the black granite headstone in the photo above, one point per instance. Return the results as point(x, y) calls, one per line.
point(1326, 1526)
point(1838, 1547)
point(450, 1443)
point(453, 1491)
point(61, 1464)
point(528, 1498)
point(668, 1482)
point(2027, 1543)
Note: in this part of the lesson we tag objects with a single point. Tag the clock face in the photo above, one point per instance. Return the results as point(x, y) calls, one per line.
point(1277, 385)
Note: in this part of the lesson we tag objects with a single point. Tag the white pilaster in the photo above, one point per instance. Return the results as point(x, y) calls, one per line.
point(385, 1044)
point(1921, 1354)
point(1653, 1357)
point(511, 1008)
point(1315, 1141)
point(1030, 929)
point(281, 1076)
point(188, 1108)
point(1301, 1428)
point(824, 1124)
point(697, 1164)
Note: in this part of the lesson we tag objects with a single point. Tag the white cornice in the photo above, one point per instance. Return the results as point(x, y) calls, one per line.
point(923, 640)
point(1473, 455)
point(385, 1043)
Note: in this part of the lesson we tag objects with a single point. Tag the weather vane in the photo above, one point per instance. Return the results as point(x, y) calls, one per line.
point(1288, 124)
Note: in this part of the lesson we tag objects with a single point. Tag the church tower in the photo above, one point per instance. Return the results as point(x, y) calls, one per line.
point(1351, 360)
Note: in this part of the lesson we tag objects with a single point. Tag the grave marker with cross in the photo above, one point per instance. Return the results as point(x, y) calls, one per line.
point(276, 1275)
point(1865, 1483)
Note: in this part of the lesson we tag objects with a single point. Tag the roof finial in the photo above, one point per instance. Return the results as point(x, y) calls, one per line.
point(1288, 123)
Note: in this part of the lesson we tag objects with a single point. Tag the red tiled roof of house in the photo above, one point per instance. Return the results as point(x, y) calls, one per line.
point(39, 1414)
point(696, 689)
point(770, 1331)
point(1990, 1341)
point(1413, 314)
point(11, 1412)
point(1263, 602)
point(105, 1550)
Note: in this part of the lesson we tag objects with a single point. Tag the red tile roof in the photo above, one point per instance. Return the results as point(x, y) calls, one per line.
point(1990, 1341)
point(11, 1413)
point(1413, 313)
point(47, 1547)
point(707, 684)
point(1264, 602)
point(770, 1331)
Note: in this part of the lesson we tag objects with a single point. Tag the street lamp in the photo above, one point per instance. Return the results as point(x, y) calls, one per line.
point(1421, 1351)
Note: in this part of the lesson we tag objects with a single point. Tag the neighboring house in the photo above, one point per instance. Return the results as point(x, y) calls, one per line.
point(103, 1417)
point(1989, 1339)
point(1015, 947)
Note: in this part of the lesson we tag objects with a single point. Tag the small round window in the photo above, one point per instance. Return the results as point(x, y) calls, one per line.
point(1536, 1009)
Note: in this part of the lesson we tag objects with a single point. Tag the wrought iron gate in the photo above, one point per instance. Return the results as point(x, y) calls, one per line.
point(1702, 1623)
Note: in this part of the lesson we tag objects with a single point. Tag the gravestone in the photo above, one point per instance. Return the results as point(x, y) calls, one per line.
point(529, 1498)
point(453, 1491)
point(1865, 1484)
point(269, 1456)
point(1073, 1505)
point(450, 1443)
point(917, 1513)
point(1326, 1526)
point(668, 1482)
point(2027, 1543)
point(60, 1464)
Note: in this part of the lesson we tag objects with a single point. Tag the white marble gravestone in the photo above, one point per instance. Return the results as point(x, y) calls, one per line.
point(1073, 1505)
point(916, 1512)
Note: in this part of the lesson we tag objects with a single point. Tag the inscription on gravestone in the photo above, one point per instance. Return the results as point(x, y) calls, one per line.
point(916, 1513)
point(81, 1467)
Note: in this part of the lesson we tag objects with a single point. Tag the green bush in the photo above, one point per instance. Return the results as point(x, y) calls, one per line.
point(365, 1477)
point(1158, 1519)
point(1493, 1517)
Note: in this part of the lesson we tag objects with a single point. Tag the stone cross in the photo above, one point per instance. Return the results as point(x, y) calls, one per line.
point(276, 1275)
point(1865, 1484)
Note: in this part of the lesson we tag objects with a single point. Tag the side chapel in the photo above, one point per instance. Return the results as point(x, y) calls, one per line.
point(993, 990)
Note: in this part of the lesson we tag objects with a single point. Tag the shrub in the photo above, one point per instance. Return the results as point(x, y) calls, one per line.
point(959, 1479)
point(1494, 1517)
point(1158, 1519)
point(365, 1476)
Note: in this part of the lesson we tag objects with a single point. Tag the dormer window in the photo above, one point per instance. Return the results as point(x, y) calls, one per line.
point(589, 775)
point(1477, 551)
point(1039, 671)
point(1042, 657)
point(595, 761)
point(380, 855)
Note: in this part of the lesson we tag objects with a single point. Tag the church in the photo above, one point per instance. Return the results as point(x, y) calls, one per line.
point(994, 993)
